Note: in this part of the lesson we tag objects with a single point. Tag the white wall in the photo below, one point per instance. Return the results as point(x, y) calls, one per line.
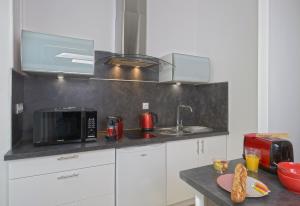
point(87, 19)
point(263, 65)
point(224, 31)
point(172, 26)
point(5, 91)
point(17, 25)
point(284, 70)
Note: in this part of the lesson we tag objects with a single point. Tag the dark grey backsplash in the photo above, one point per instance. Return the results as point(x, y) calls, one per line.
point(209, 101)
point(17, 97)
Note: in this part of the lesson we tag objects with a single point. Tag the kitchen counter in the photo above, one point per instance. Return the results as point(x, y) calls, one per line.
point(203, 180)
point(27, 150)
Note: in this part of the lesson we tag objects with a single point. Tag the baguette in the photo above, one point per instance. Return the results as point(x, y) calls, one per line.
point(238, 191)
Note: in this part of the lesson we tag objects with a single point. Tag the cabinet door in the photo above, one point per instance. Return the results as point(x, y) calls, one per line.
point(212, 147)
point(62, 188)
point(59, 163)
point(57, 54)
point(141, 176)
point(181, 155)
point(191, 68)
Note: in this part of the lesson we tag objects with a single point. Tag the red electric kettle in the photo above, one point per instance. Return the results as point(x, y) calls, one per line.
point(148, 121)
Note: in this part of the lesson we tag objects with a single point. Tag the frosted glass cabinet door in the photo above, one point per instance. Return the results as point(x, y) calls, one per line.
point(190, 68)
point(56, 54)
point(185, 68)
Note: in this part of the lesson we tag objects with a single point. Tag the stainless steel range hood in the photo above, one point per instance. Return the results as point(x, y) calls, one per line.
point(131, 26)
point(131, 36)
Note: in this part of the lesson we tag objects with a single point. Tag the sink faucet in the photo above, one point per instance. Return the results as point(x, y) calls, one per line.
point(178, 120)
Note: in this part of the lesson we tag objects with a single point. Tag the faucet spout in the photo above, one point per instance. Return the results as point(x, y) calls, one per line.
point(179, 124)
point(190, 108)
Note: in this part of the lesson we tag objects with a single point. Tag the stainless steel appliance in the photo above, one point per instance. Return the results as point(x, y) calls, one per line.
point(64, 125)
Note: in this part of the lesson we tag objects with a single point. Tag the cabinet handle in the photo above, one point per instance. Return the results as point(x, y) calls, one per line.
point(143, 155)
point(68, 157)
point(202, 146)
point(67, 176)
point(198, 147)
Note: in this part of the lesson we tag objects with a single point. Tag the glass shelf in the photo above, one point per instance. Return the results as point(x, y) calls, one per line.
point(128, 67)
point(131, 60)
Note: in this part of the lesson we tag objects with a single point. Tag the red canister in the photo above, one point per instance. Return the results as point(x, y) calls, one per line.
point(115, 127)
point(111, 132)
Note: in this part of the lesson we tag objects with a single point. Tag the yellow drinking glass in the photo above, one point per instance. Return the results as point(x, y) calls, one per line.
point(252, 159)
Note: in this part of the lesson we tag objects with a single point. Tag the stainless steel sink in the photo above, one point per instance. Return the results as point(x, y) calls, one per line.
point(171, 131)
point(186, 130)
point(196, 129)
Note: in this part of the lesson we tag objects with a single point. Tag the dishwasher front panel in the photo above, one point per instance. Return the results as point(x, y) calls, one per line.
point(141, 176)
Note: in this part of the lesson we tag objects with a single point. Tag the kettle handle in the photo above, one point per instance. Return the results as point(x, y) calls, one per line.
point(155, 117)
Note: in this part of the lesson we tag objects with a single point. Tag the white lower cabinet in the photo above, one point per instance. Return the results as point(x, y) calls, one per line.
point(210, 148)
point(90, 186)
point(141, 176)
point(188, 154)
point(181, 155)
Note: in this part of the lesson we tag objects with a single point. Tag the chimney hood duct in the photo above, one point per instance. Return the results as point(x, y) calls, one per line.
point(131, 26)
point(131, 36)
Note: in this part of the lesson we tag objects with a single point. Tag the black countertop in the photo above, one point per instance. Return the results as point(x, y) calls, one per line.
point(27, 150)
point(203, 179)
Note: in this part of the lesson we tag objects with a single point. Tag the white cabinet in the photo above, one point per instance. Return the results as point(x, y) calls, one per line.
point(87, 185)
point(58, 163)
point(181, 155)
point(212, 147)
point(145, 175)
point(187, 154)
point(141, 176)
point(186, 68)
point(56, 54)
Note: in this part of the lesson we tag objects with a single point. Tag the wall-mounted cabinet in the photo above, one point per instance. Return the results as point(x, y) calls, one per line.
point(56, 54)
point(185, 68)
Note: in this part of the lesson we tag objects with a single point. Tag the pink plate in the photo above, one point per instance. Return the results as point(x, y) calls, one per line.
point(225, 182)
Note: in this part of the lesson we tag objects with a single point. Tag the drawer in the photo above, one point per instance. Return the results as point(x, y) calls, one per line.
point(58, 163)
point(63, 187)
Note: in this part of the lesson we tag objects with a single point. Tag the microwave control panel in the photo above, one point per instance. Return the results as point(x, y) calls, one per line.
point(91, 125)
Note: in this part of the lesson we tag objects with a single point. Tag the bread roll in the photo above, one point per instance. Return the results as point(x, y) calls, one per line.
point(238, 191)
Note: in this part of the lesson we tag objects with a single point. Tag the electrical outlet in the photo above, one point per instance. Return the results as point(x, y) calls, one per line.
point(145, 105)
point(19, 108)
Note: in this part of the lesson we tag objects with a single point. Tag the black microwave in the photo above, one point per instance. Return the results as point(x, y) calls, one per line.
point(64, 125)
